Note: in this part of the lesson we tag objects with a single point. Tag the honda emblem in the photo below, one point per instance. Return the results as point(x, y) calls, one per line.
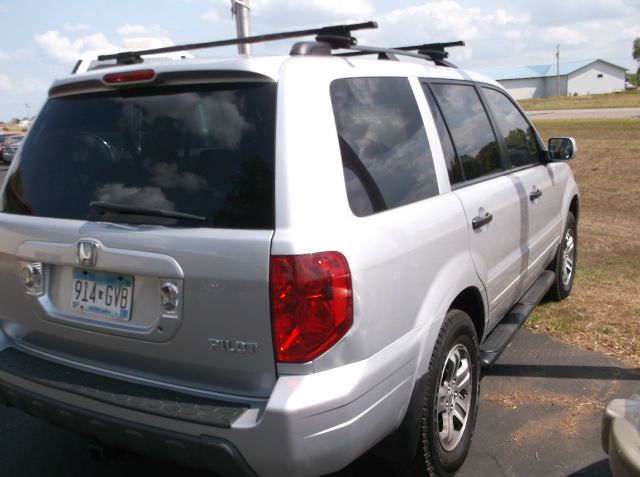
point(87, 253)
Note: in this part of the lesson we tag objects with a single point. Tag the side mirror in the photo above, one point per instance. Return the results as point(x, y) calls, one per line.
point(562, 148)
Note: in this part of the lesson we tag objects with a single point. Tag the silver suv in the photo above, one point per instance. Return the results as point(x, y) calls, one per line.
point(272, 265)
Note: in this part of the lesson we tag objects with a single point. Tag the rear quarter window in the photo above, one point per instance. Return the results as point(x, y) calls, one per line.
point(386, 156)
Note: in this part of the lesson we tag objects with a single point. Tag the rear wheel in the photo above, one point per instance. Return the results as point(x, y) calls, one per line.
point(451, 399)
point(564, 264)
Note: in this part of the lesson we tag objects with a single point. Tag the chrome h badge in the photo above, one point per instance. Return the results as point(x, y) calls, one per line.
point(87, 253)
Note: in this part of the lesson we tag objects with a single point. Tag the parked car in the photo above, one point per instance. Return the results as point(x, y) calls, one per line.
point(3, 139)
point(621, 435)
point(272, 265)
point(11, 146)
point(629, 85)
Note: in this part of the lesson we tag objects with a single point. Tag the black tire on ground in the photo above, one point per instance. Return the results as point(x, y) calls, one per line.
point(451, 400)
point(564, 263)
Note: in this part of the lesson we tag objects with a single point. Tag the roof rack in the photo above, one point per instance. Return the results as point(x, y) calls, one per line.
point(338, 36)
point(329, 38)
point(431, 51)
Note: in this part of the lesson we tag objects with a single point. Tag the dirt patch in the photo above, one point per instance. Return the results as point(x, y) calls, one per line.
point(522, 398)
point(563, 415)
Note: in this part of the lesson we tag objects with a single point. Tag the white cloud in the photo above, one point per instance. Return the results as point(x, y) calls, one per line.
point(565, 12)
point(336, 8)
point(166, 175)
point(632, 32)
point(33, 85)
point(448, 20)
point(294, 12)
point(566, 35)
point(76, 26)
point(129, 29)
point(142, 196)
point(5, 83)
point(63, 49)
point(4, 56)
point(211, 16)
point(146, 42)
point(434, 18)
point(140, 37)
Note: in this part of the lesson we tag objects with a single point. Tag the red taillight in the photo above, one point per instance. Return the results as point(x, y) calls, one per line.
point(129, 76)
point(311, 304)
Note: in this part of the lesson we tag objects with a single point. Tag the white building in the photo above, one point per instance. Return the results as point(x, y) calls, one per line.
point(575, 78)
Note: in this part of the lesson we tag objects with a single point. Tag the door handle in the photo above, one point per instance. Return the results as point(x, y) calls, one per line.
point(478, 221)
point(535, 194)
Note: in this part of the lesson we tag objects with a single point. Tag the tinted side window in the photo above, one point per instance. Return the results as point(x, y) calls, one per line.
point(470, 129)
point(450, 157)
point(385, 152)
point(518, 134)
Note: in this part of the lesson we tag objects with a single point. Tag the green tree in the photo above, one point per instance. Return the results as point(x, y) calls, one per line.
point(636, 52)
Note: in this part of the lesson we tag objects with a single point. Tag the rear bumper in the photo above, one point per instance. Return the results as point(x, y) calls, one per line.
point(201, 451)
point(311, 425)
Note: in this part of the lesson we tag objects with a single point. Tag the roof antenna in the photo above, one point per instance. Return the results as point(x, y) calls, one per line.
point(242, 12)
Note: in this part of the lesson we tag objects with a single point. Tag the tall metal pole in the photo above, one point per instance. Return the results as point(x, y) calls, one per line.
point(557, 70)
point(242, 11)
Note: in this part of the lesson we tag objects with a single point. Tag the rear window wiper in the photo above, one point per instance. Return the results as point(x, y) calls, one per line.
point(147, 211)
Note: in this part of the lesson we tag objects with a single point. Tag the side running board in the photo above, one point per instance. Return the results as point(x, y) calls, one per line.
point(503, 333)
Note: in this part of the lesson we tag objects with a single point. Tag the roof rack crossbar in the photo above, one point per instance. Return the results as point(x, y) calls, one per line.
point(338, 35)
point(433, 47)
point(366, 50)
point(429, 51)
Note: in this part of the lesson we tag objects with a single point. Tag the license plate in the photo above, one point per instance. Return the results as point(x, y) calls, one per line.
point(103, 294)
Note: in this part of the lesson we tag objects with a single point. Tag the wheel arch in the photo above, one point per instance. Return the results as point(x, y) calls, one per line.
point(470, 301)
point(402, 444)
point(574, 207)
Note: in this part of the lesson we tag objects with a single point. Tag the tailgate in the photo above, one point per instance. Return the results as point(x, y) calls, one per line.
point(137, 232)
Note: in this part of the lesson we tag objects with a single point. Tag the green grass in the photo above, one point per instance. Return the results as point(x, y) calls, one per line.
point(626, 99)
point(602, 312)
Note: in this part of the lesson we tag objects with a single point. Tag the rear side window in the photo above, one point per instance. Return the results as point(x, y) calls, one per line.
point(203, 151)
point(385, 151)
point(470, 129)
point(519, 136)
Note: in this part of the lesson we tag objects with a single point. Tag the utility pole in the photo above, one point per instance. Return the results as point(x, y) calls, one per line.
point(27, 106)
point(242, 11)
point(557, 70)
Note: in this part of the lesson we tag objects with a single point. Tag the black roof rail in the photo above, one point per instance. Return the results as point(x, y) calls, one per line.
point(338, 36)
point(430, 51)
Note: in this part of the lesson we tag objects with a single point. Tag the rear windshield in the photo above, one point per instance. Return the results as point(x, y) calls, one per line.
point(202, 154)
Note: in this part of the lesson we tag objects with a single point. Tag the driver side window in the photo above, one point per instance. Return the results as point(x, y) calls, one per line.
point(518, 135)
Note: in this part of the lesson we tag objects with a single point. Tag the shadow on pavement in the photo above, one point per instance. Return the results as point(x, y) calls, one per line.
point(597, 469)
point(565, 372)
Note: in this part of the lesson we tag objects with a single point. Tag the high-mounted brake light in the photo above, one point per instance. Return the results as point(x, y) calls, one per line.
point(311, 304)
point(129, 76)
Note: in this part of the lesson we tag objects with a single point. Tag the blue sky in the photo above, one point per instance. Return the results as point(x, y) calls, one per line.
point(41, 39)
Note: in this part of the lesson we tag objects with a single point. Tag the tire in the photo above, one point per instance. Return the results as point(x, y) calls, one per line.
point(443, 447)
point(564, 263)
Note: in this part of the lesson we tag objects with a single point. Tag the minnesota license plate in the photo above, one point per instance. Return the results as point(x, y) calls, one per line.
point(103, 294)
